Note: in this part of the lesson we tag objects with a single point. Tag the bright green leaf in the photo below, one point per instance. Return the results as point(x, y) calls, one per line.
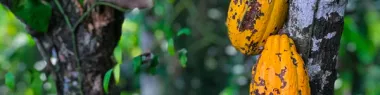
point(116, 73)
point(183, 57)
point(118, 55)
point(29, 91)
point(106, 80)
point(373, 22)
point(10, 80)
point(184, 31)
point(137, 64)
point(119, 59)
point(171, 48)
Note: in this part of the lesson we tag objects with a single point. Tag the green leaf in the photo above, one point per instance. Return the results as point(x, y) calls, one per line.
point(230, 90)
point(373, 21)
point(183, 57)
point(10, 80)
point(365, 50)
point(37, 83)
point(35, 14)
point(152, 67)
point(171, 48)
point(116, 73)
point(137, 64)
point(106, 80)
point(118, 54)
point(29, 91)
point(119, 59)
point(81, 2)
point(184, 31)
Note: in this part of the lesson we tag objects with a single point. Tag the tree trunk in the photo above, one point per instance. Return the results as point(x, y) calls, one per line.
point(97, 36)
point(316, 27)
point(84, 52)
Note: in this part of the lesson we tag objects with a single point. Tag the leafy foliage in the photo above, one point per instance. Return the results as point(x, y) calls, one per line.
point(183, 57)
point(10, 80)
point(35, 13)
point(184, 31)
point(106, 80)
point(171, 48)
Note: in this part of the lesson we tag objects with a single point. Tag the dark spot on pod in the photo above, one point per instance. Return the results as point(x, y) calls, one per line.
point(234, 16)
point(252, 45)
point(246, 44)
point(242, 48)
point(238, 22)
point(291, 44)
point(271, 93)
point(231, 9)
point(251, 15)
point(256, 92)
point(275, 28)
point(253, 75)
point(235, 1)
point(299, 92)
point(281, 76)
point(254, 31)
point(294, 61)
point(276, 90)
point(279, 56)
point(261, 82)
point(272, 33)
point(248, 38)
point(267, 68)
point(265, 88)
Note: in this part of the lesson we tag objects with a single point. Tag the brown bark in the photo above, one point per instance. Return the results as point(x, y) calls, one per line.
point(316, 26)
point(97, 36)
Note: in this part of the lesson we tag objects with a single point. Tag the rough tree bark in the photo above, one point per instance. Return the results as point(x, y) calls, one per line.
point(97, 36)
point(316, 26)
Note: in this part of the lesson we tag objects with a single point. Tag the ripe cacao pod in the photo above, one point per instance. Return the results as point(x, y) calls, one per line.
point(250, 22)
point(280, 70)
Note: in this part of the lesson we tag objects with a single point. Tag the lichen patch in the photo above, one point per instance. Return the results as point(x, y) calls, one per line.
point(315, 44)
point(330, 35)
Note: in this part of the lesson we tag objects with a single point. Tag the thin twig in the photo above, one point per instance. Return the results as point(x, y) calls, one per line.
point(74, 41)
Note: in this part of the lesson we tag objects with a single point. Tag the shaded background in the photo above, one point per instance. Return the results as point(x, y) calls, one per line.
point(211, 65)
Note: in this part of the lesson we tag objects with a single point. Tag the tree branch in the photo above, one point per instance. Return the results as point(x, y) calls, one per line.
point(316, 26)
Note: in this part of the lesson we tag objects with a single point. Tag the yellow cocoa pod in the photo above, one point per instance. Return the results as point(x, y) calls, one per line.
point(280, 70)
point(250, 22)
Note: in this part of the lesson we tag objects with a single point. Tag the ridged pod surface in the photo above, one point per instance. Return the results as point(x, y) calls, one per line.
point(250, 22)
point(280, 70)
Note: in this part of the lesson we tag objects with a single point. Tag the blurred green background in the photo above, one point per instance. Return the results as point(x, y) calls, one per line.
point(195, 55)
